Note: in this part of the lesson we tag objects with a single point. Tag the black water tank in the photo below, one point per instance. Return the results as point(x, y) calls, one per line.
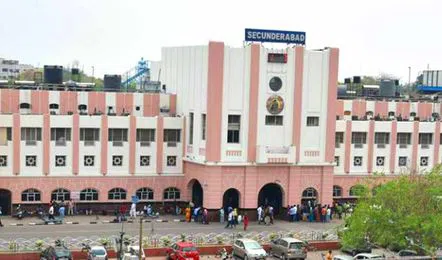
point(53, 74)
point(112, 82)
point(75, 71)
point(357, 79)
point(347, 80)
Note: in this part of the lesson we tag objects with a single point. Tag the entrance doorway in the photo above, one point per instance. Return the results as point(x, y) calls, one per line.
point(309, 194)
point(5, 201)
point(231, 198)
point(197, 194)
point(271, 194)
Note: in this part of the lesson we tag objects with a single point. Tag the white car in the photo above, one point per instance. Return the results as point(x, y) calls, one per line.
point(132, 253)
point(97, 253)
point(358, 257)
point(248, 249)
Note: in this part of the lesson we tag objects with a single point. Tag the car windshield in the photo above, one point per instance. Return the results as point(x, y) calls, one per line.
point(98, 252)
point(188, 249)
point(62, 252)
point(252, 245)
point(295, 246)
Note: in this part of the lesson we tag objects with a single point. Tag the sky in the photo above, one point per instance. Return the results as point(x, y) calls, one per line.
point(373, 36)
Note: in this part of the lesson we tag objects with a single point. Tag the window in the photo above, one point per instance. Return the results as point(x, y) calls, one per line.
point(357, 161)
point(424, 161)
point(275, 83)
point(404, 138)
point(312, 121)
point(203, 126)
point(88, 195)
point(358, 137)
point(116, 194)
point(171, 160)
point(9, 133)
point(82, 108)
point(337, 160)
point(137, 108)
point(89, 160)
point(382, 138)
point(25, 106)
point(3, 160)
point(337, 191)
point(60, 195)
point(172, 135)
point(191, 128)
point(357, 191)
point(402, 161)
point(145, 135)
point(117, 160)
point(117, 135)
point(339, 139)
point(31, 195)
point(60, 160)
point(426, 138)
point(309, 193)
point(89, 134)
point(31, 160)
point(30, 134)
point(233, 128)
point(60, 135)
point(53, 106)
point(274, 120)
point(380, 161)
point(171, 194)
point(144, 160)
point(145, 194)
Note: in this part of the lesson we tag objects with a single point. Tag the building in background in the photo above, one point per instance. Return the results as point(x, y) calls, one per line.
point(11, 69)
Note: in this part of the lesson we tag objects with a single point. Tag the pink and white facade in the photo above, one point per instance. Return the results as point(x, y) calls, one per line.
point(235, 126)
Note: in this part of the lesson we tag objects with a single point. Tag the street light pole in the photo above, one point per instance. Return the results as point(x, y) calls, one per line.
point(120, 255)
point(93, 71)
point(141, 238)
point(409, 76)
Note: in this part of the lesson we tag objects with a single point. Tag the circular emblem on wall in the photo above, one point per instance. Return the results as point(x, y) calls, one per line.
point(275, 104)
point(275, 83)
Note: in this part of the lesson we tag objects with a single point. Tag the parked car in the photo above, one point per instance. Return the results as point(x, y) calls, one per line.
point(183, 251)
point(97, 253)
point(357, 250)
point(288, 248)
point(358, 257)
point(56, 253)
point(248, 249)
point(132, 253)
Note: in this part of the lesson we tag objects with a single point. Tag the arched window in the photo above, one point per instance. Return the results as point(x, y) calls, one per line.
point(31, 195)
point(60, 195)
point(89, 194)
point(171, 193)
point(309, 193)
point(53, 106)
point(337, 191)
point(25, 106)
point(145, 194)
point(116, 194)
point(357, 190)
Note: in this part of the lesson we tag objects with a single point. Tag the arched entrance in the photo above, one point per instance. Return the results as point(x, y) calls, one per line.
point(309, 194)
point(271, 194)
point(231, 198)
point(5, 201)
point(197, 193)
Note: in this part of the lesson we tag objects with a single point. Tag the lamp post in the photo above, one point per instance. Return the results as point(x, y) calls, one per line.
point(409, 76)
point(120, 255)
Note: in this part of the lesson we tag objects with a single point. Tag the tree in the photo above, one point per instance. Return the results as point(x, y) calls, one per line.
point(403, 213)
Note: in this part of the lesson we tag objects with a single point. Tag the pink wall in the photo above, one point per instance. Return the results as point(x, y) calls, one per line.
point(436, 144)
point(160, 142)
point(104, 143)
point(340, 107)
point(297, 106)
point(358, 108)
point(124, 102)
point(370, 146)
point(253, 102)
point(68, 102)
point(10, 100)
point(381, 108)
point(331, 104)
point(424, 110)
point(132, 144)
point(46, 137)
point(151, 104)
point(403, 109)
point(96, 101)
point(214, 101)
point(415, 144)
point(347, 138)
point(16, 137)
point(75, 143)
point(172, 103)
point(40, 102)
point(393, 145)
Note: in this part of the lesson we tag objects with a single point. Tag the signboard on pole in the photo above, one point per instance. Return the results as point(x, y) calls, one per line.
point(75, 195)
point(260, 35)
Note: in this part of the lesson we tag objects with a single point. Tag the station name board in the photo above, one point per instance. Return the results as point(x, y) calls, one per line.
point(260, 35)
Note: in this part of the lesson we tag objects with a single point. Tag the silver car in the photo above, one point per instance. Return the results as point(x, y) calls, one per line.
point(288, 248)
point(248, 249)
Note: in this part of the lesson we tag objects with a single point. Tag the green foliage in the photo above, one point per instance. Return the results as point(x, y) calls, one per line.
point(13, 245)
point(403, 213)
point(39, 244)
point(166, 241)
point(219, 239)
point(183, 237)
point(105, 241)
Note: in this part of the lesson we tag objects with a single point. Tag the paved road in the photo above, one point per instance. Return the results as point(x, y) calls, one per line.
point(84, 228)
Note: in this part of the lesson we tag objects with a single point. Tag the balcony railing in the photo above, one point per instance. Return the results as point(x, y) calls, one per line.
point(117, 143)
point(425, 146)
point(381, 146)
point(403, 146)
point(89, 143)
point(31, 142)
point(60, 143)
point(358, 146)
point(171, 144)
point(145, 144)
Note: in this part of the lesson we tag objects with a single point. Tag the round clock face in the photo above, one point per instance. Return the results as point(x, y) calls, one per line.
point(275, 84)
point(275, 104)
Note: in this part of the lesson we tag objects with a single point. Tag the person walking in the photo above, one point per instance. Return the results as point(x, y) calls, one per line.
point(61, 211)
point(329, 255)
point(221, 215)
point(235, 217)
point(1, 224)
point(70, 207)
point(245, 221)
point(230, 219)
point(259, 211)
point(51, 212)
point(188, 215)
point(328, 215)
point(133, 210)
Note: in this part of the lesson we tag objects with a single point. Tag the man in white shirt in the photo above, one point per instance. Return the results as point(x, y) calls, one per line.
point(133, 210)
point(51, 212)
point(259, 214)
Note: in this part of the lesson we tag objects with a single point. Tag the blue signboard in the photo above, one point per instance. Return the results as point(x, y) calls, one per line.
point(259, 35)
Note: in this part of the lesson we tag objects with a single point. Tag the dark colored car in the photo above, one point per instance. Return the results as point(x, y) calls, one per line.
point(56, 253)
point(183, 251)
point(357, 250)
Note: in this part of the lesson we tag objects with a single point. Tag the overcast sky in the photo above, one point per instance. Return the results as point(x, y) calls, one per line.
point(374, 36)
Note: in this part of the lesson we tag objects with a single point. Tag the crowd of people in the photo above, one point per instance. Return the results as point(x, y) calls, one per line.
point(312, 212)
